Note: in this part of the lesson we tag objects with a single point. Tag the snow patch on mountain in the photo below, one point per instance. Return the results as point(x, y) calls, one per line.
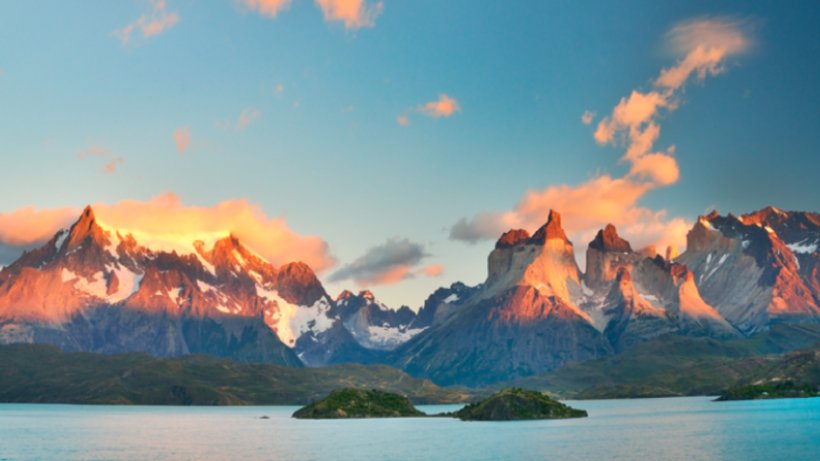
point(61, 238)
point(292, 321)
point(387, 337)
point(803, 247)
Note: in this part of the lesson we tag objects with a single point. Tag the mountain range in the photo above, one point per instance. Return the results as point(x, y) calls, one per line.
point(97, 288)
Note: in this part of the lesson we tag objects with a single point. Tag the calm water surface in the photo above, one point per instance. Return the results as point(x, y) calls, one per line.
point(692, 428)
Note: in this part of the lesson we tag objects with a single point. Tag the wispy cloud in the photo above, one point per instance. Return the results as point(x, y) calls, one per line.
point(112, 165)
point(587, 117)
point(159, 20)
point(248, 116)
point(445, 106)
point(634, 125)
point(388, 263)
point(354, 14)
point(112, 162)
point(270, 8)
point(95, 150)
point(182, 138)
point(166, 214)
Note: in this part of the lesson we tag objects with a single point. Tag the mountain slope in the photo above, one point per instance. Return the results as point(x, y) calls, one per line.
point(749, 273)
point(44, 374)
point(521, 321)
point(99, 289)
point(676, 365)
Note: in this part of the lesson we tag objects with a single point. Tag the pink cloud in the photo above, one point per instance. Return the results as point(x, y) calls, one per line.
point(270, 8)
point(182, 138)
point(95, 150)
point(388, 263)
point(112, 165)
point(101, 152)
point(355, 14)
point(432, 270)
point(248, 116)
point(403, 120)
point(159, 21)
point(587, 117)
point(633, 124)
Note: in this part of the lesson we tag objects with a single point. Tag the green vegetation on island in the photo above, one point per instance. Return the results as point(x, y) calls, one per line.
point(44, 374)
point(777, 390)
point(359, 403)
point(517, 404)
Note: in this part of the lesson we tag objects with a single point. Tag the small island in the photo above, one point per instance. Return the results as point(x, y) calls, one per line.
point(359, 403)
point(507, 405)
point(782, 390)
point(517, 404)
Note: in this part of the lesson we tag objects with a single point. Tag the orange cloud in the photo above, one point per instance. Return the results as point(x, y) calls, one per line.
point(633, 123)
point(182, 137)
point(705, 43)
point(433, 270)
point(159, 21)
point(587, 117)
point(269, 8)
point(390, 276)
point(445, 106)
point(28, 226)
point(584, 209)
point(165, 214)
point(661, 169)
point(355, 14)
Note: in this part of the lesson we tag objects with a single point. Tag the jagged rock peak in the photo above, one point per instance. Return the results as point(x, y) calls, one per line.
point(344, 295)
point(367, 294)
point(608, 239)
point(512, 238)
point(551, 230)
point(85, 227)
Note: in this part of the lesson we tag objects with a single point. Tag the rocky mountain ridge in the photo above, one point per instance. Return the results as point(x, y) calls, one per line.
point(537, 311)
point(97, 288)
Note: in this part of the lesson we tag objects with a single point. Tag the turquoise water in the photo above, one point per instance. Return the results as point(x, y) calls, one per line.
point(692, 428)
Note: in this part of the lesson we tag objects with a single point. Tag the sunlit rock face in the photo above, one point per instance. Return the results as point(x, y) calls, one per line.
point(750, 274)
point(522, 320)
point(97, 288)
point(606, 254)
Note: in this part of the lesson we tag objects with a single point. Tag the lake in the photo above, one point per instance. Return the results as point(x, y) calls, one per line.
point(690, 428)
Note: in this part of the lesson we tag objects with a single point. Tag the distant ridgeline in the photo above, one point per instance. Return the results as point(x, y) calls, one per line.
point(95, 288)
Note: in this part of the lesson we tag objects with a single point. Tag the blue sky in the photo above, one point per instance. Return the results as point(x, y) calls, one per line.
point(326, 152)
